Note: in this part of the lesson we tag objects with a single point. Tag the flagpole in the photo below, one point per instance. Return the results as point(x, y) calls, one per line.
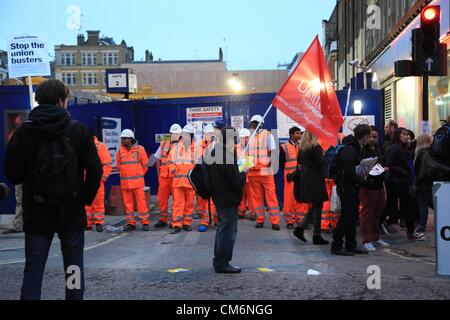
point(348, 101)
point(255, 132)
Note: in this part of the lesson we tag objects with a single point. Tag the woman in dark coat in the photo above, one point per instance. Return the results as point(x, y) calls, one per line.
point(312, 185)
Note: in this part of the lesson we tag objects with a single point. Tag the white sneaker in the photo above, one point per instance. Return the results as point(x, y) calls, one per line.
point(369, 247)
point(381, 243)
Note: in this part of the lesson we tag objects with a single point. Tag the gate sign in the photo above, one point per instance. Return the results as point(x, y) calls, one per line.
point(351, 122)
point(117, 81)
point(202, 116)
point(111, 130)
point(237, 122)
point(28, 56)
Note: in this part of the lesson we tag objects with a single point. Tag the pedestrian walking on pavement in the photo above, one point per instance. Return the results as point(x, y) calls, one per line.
point(348, 184)
point(227, 191)
point(312, 186)
point(56, 160)
point(132, 162)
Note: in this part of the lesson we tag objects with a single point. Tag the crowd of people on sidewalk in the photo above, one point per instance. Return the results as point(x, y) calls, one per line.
point(60, 168)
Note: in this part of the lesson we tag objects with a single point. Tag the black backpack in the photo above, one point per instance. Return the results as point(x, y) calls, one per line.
point(56, 177)
point(199, 179)
point(331, 162)
point(440, 149)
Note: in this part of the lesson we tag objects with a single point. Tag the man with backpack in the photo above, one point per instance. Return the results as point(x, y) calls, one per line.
point(56, 160)
point(346, 161)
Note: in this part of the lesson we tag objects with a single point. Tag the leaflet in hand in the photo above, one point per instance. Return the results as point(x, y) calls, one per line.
point(366, 166)
point(377, 170)
point(246, 163)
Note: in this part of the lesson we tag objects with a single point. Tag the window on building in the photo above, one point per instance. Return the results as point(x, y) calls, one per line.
point(67, 59)
point(90, 79)
point(69, 79)
point(89, 59)
point(110, 59)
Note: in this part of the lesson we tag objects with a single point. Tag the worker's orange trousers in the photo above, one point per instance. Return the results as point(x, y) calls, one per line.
point(129, 197)
point(95, 213)
point(329, 218)
point(292, 210)
point(261, 187)
point(203, 210)
point(245, 202)
point(183, 206)
point(165, 189)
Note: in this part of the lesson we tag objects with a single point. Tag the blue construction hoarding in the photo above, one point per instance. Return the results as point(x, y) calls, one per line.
point(151, 118)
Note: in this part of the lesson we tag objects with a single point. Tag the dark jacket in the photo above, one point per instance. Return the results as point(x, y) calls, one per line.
point(399, 167)
point(423, 183)
point(312, 181)
point(349, 158)
point(227, 183)
point(46, 123)
point(373, 182)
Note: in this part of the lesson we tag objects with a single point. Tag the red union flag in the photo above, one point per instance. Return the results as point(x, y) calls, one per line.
point(308, 96)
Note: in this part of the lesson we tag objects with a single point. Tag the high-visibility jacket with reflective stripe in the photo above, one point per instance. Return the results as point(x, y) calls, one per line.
point(259, 150)
point(165, 161)
point(182, 160)
point(133, 165)
point(105, 158)
point(291, 152)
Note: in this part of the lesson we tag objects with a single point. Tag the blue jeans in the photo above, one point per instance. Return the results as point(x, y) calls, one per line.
point(37, 247)
point(425, 199)
point(225, 237)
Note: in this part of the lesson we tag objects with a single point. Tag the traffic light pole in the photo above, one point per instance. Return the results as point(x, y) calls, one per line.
point(425, 100)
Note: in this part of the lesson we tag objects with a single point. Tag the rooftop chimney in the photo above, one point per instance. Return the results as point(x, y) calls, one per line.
point(80, 39)
point(93, 37)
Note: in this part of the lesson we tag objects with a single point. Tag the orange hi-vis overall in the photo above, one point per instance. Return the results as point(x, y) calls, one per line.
point(182, 160)
point(133, 165)
point(261, 180)
point(202, 204)
point(292, 211)
point(329, 218)
point(96, 212)
point(165, 179)
point(243, 205)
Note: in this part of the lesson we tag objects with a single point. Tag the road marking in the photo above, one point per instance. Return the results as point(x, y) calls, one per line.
point(178, 270)
point(265, 269)
point(389, 251)
point(13, 261)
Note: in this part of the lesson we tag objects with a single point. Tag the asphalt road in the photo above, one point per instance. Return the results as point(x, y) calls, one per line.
point(135, 266)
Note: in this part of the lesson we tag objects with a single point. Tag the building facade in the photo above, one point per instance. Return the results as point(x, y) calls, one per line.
point(3, 65)
point(82, 66)
point(370, 36)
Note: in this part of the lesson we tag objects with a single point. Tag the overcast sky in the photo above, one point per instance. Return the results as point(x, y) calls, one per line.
point(258, 34)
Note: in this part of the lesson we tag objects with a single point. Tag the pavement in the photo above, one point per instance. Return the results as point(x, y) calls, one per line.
point(157, 265)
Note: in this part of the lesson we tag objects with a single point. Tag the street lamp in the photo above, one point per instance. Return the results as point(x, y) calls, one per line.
point(235, 85)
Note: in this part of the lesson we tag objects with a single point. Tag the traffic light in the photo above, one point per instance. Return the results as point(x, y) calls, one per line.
point(429, 55)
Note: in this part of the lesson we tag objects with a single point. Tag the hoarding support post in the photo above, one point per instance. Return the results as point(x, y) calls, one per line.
point(425, 102)
point(30, 90)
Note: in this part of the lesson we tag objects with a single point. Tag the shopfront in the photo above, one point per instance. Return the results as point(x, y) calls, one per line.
point(403, 96)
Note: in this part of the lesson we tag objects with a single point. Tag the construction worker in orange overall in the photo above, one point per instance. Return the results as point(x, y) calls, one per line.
point(96, 212)
point(329, 218)
point(244, 136)
point(260, 177)
point(165, 177)
point(132, 162)
point(182, 159)
point(204, 207)
point(288, 161)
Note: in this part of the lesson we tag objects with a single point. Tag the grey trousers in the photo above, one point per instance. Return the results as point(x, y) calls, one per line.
point(225, 237)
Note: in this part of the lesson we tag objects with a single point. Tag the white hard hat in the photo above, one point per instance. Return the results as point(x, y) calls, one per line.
point(175, 128)
point(244, 133)
point(127, 133)
point(257, 118)
point(189, 129)
point(208, 129)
